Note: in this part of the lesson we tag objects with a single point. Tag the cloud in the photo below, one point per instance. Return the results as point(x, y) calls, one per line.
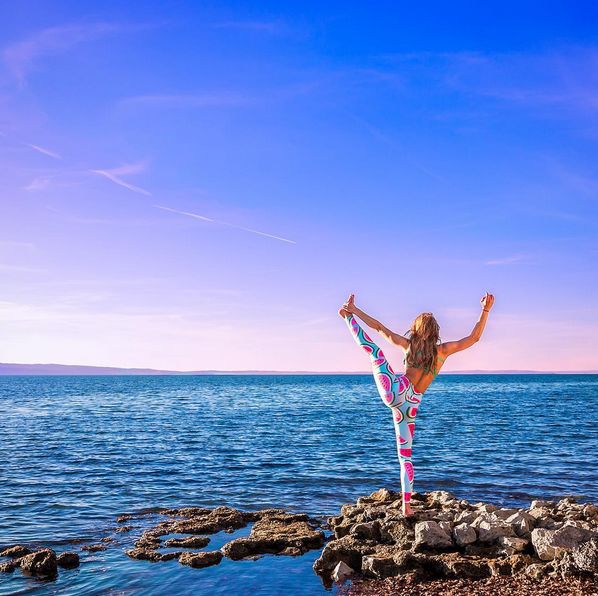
point(224, 223)
point(44, 151)
point(511, 260)
point(114, 175)
point(21, 57)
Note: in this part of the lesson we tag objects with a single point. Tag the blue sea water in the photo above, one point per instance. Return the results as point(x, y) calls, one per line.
point(76, 452)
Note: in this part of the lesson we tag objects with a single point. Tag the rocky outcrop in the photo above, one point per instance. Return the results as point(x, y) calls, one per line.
point(41, 563)
point(273, 531)
point(450, 537)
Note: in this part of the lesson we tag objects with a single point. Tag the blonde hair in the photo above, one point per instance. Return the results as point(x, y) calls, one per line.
point(423, 343)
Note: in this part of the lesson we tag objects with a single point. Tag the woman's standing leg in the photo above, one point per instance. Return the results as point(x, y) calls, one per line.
point(390, 387)
point(404, 421)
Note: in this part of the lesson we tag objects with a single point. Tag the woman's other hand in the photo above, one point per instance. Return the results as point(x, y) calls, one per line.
point(487, 301)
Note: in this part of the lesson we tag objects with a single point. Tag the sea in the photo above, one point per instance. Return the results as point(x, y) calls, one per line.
point(78, 451)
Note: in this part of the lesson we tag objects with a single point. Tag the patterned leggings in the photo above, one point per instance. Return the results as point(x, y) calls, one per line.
point(398, 393)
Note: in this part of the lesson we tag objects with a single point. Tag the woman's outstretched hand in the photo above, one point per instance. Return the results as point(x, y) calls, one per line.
point(348, 307)
point(487, 301)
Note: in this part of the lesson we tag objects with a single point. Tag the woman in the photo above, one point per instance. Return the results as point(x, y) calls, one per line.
point(424, 357)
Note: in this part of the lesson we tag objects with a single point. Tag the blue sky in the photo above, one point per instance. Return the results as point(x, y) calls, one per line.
point(200, 185)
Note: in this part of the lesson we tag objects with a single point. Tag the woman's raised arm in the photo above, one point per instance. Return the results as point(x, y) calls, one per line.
point(385, 332)
point(450, 347)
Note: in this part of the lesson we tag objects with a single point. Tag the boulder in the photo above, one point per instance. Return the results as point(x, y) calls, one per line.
point(67, 560)
point(143, 554)
point(41, 563)
point(348, 549)
point(540, 504)
point(464, 534)
point(430, 534)
point(202, 559)
point(341, 572)
point(513, 544)
point(466, 567)
point(368, 531)
point(522, 522)
point(549, 544)
point(8, 566)
point(191, 542)
point(492, 531)
point(15, 551)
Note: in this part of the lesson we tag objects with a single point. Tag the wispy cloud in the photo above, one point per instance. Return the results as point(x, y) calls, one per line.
point(43, 150)
point(510, 260)
point(21, 57)
point(114, 175)
point(224, 223)
point(199, 100)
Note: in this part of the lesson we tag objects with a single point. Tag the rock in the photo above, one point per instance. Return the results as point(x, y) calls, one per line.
point(441, 497)
point(466, 567)
point(431, 535)
point(585, 556)
point(8, 566)
point(341, 572)
point(536, 504)
point(466, 517)
point(93, 548)
point(67, 560)
point(291, 551)
point(512, 543)
point(348, 549)
point(535, 570)
point(41, 563)
point(191, 542)
point(143, 554)
point(522, 522)
point(275, 533)
point(504, 513)
point(381, 563)
point(397, 532)
point(492, 531)
point(202, 559)
point(549, 544)
point(519, 562)
point(487, 508)
point(368, 531)
point(123, 529)
point(464, 534)
point(499, 567)
point(15, 551)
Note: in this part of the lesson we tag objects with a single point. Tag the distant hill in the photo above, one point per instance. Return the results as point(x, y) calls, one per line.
point(74, 369)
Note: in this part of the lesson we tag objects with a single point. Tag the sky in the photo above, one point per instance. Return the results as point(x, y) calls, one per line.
point(200, 185)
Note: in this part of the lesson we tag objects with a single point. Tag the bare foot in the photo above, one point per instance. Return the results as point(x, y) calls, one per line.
point(407, 511)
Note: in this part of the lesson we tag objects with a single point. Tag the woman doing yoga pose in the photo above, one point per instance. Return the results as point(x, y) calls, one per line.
point(424, 357)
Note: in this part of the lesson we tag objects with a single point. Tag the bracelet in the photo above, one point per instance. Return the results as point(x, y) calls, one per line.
point(485, 310)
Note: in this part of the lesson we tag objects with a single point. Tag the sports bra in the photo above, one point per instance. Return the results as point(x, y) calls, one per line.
point(425, 369)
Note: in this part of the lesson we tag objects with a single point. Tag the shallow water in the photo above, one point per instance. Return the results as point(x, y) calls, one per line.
point(78, 451)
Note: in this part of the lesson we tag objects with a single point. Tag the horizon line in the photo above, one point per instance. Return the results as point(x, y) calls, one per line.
point(137, 371)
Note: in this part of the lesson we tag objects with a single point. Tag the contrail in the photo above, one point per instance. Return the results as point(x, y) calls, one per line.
point(113, 178)
point(44, 151)
point(224, 223)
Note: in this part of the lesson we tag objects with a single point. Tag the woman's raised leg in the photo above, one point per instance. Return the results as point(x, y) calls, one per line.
point(390, 387)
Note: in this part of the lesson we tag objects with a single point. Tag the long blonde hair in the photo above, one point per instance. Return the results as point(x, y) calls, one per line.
point(423, 343)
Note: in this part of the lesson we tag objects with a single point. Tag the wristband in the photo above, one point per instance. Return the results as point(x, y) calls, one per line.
point(485, 310)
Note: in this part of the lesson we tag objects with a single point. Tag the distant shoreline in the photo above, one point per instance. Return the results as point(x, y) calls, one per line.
point(10, 369)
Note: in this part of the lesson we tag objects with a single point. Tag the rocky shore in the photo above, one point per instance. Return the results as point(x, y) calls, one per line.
point(448, 538)
point(448, 546)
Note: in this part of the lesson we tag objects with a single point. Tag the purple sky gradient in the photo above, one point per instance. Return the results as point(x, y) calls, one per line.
point(195, 187)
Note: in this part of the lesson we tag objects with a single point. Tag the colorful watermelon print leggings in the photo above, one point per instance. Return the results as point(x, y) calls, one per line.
point(399, 395)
